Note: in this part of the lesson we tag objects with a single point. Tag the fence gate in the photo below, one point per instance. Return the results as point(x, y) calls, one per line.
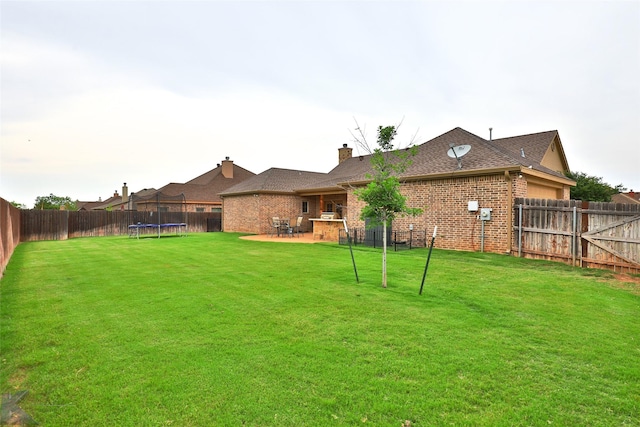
point(588, 234)
point(614, 244)
point(215, 222)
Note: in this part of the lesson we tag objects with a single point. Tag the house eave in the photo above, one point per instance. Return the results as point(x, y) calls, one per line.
point(320, 191)
point(538, 176)
point(476, 172)
point(444, 175)
point(251, 192)
point(203, 202)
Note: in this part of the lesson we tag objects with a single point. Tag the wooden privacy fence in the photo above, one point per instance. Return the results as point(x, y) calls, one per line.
point(9, 232)
point(62, 225)
point(586, 234)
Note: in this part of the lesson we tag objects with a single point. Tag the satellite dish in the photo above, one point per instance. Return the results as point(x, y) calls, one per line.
point(458, 152)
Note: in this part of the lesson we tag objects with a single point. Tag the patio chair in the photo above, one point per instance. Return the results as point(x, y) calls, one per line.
point(285, 227)
point(274, 226)
point(297, 227)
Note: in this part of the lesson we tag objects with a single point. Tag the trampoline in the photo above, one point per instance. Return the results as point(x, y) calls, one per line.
point(157, 214)
point(180, 228)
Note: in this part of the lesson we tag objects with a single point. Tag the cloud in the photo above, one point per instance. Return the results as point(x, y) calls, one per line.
point(148, 136)
point(153, 92)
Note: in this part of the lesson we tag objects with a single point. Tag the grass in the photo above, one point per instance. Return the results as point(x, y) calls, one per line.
point(214, 330)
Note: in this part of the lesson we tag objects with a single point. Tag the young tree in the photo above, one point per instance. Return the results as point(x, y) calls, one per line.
point(592, 188)
point(384, 201)
point(54, 202)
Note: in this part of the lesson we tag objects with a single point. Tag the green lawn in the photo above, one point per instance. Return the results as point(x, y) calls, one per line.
point(212, 330)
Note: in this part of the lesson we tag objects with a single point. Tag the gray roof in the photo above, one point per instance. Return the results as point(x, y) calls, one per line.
point(431, 159)
point(533, 145)
point(276, 180)
point(208, 178)
point(207, 187)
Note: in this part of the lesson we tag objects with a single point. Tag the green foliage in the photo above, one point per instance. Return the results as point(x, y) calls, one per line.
point(18, 205)
point(592, 188)
point(54, 202)
point(382, 195)
point(111, 331)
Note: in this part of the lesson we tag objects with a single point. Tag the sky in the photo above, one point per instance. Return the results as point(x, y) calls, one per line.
point(97, 93)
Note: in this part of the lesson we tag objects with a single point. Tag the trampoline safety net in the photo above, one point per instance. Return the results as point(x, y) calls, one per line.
point(157, 214)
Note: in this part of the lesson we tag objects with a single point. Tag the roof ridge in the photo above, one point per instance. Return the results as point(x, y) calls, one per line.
point(526, 134)
point(294, 170)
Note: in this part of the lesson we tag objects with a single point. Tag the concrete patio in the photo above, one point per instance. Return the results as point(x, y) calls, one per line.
point(302, 238)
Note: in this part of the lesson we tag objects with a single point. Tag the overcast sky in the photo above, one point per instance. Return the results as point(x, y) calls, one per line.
point(97, 93)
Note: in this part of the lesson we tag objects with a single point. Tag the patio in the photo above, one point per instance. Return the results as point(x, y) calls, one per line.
point(302, 238)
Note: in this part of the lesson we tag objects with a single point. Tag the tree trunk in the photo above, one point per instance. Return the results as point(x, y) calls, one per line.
point(384, 253)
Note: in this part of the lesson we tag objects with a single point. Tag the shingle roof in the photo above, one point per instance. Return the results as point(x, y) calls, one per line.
point(88, 205)
point(105, 204)
point(276, 180)
point(534, 145)
point(431, 159)
point(145, 192)
point(628, 198)
point(190, 191)
point(208, 186)
point(208, 177)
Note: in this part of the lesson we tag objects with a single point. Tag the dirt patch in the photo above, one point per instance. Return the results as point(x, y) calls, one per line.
point(628, 282)
point(18, 378)
point(627, 278)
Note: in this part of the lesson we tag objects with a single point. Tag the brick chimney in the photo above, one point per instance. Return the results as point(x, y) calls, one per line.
point(344, 153)
point(227, 168)
point(125, 193)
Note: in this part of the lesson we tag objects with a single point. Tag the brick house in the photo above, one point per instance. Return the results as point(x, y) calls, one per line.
point(201, 194)
point(490, 175)
point(631, 197)
point(109, 203)
point(115, 202)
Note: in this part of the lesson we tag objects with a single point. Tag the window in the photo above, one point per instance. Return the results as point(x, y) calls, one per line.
point(216, 209)
point(329, 207)
point(305, 207)
point(199, 209)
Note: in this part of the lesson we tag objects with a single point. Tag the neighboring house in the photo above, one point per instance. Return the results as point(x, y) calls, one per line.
point(492, 175)
point(631, 198)
point(114, 202)
point(201, 194)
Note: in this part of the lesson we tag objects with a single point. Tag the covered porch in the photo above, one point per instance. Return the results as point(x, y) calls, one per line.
point(326, 220)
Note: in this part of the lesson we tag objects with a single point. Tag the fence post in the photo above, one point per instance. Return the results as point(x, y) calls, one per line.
point(520, 230)
point(583, 229)
point(574, 236)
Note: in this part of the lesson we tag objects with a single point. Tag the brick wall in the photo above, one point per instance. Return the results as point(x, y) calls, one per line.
point(445, 204)
point(251, 213)
point(241, 214)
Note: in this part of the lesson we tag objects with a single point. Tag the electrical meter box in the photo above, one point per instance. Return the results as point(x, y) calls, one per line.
point(485, 214)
